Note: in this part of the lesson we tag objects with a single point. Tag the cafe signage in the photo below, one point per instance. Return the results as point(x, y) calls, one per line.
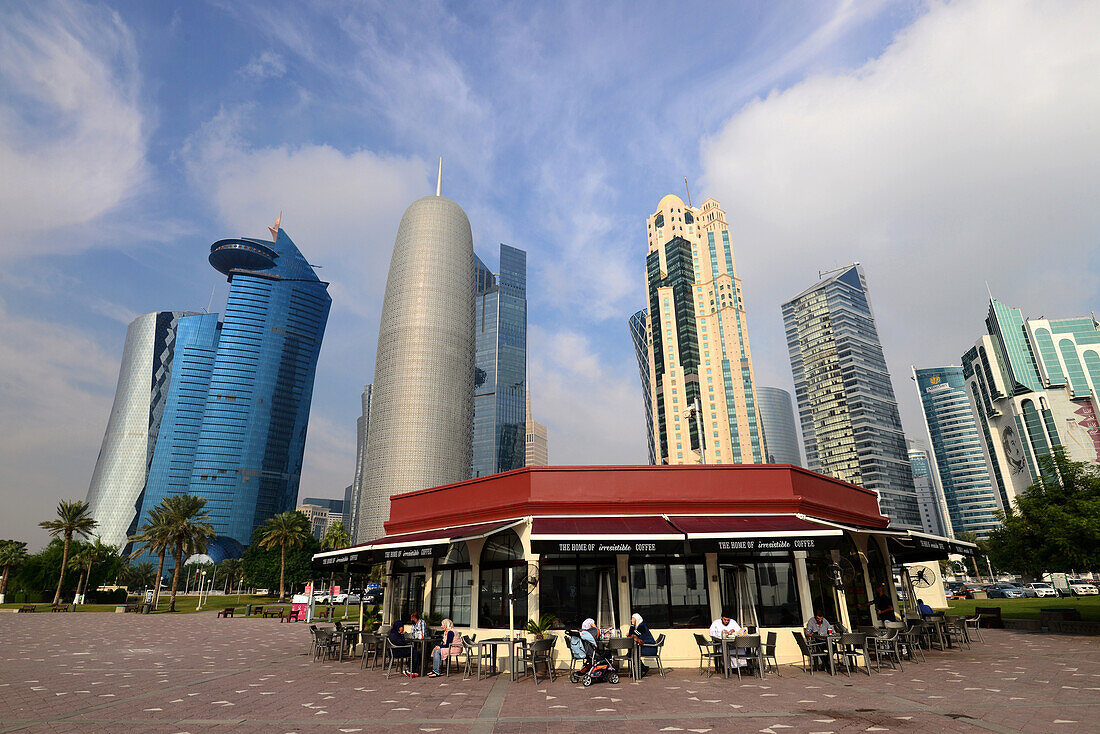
point(410, 552)
point(600, 547)
point(339, 560)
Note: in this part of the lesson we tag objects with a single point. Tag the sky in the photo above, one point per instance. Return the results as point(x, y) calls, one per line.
point(946, 146)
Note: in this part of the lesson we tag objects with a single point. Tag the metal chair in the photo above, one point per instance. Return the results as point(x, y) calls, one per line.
point(622, 651)
point(659, 644)
point(328, 645)
point(974, 623)
point(955, 630)
point(746, 642)
point(812, 650)
point(388, 653)
point(769, 653)
point(539, 651)
point(371, 642)
point(849, 648)
point(470, 653)
point(884, 643)
point(707, 653)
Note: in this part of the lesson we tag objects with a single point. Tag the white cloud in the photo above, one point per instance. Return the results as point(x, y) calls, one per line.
point(56, 384)
point(593, 410)
point(72, 136)
point(267, 65)
point(966, 152)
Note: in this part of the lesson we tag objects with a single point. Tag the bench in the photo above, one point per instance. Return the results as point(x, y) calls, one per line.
point(291, 616)
point(990, 617)
point(133, 609)
point(59, 608)
point(27, 608)
point(269, 612)
point(227, 612)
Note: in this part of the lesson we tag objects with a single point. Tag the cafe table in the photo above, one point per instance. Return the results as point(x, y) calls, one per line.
point(348, 635)
point(492, 643)
point(727, 642)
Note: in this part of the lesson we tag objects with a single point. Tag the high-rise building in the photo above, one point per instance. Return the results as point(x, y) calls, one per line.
point(234, 425)
point(500, 375)
point(851, 428)
point(362, 428)
point(698, 344)
point(1033, 385)
point(961, 466)
point(933, 515)
point(320, 518)
point(780, 434)
point(422, 409)
point(346, 515)
point(538, 444)
point(639, 335)
point(118, 480)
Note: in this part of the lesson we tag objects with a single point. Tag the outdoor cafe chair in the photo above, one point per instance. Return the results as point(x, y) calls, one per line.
point(911, 637)
point(539, 651)
point(470, 653)
point(974, 623)
point(747, 648)
point(849, 648)
point(884, 643)
point(328, 644)
point(769, 653)
point(709, 653)
point(812, 650)
point(371, 643)
point(388, 656)
point(622, 651)
point(659, 644)
point(955, 631)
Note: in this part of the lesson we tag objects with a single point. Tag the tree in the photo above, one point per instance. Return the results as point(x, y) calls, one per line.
point(155, 538)
point(1053, 525)
point(287, 530)
point(335, 537)
point(95, 552)
point(231, 570)
point(79, 557)
point(971, 537)
point(138, 574)
point(73, 518)
point(13, 553)
point(261, 567)
point(189, 530)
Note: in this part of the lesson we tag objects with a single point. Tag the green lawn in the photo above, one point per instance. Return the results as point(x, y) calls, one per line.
point(188, 604)
point(1089, 606)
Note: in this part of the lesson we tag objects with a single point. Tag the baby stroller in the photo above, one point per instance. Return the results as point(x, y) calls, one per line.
point(596, 665)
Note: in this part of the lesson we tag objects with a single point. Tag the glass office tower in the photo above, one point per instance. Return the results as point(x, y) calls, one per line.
point(239, 416)
point(851, 428)
point(1034, 384)
point(780, 434)
point(500, 375)
point(122, 468)
point(960, 461)
point(930, 503)
point(639, 335)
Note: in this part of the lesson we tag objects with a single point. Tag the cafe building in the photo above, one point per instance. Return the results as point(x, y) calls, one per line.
point(677, 544)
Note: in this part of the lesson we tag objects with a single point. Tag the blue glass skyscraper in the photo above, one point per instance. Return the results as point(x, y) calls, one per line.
point(235, 421)
point(500, 375)
point(972, 500)
point(639, 334)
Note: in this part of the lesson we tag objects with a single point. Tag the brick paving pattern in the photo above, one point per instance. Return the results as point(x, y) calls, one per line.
point(192, 673)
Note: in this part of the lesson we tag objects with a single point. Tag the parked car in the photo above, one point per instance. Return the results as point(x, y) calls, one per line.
point(1039, 589)
point(373, 596)
point(1083, 588)
point(955, 590)
point(970, 589)
point(1004, 591)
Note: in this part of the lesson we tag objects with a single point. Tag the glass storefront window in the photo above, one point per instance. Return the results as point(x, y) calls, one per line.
point(670, 594)
point(451, 594)
point(502, 552)
point(772, 592)
point(408, 591)
point(573, 590)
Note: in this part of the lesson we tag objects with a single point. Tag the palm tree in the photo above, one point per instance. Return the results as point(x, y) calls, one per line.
point(231, 568)
point(95, 552)
point(285, 530)
point(140, 574)
point(335, 537)
point(73, 518)
point(154, 538)
point(12, 553)
point(189, 529)
point(79, 556)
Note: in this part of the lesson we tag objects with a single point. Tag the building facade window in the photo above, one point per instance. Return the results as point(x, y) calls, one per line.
point(670, 593)
point(572, 590)
point(408, 590)
point(451, 586)
point(502, 552)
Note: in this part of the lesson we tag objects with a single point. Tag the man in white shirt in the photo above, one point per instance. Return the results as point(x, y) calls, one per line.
point(725, 626)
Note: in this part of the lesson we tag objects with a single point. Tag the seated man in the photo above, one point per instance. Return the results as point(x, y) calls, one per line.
point(725, 626)
point(643, 638)
point(924, 609)
point(419, 627)
point(397, 640)
point(817, 625)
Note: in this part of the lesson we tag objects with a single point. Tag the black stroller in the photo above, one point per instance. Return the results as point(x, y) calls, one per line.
point(596, 666)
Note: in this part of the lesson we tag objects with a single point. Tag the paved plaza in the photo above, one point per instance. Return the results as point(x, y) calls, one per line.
point(192, 673)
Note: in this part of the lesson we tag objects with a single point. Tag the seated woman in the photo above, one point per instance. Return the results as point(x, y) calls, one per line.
point(451, 645)
point(639, 630)
point(399, 649)
point(590, 631)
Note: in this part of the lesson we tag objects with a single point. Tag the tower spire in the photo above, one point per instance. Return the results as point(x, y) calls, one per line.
point(275, 230)
point(439, 179)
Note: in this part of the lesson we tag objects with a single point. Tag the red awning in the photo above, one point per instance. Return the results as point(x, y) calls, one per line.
point(751, 526)
point(443, 536)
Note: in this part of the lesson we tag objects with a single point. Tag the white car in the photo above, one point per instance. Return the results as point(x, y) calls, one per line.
point(1083, 588)
point(1039, 589)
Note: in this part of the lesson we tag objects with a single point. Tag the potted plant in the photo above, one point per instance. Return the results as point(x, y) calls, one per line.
point(538, 627)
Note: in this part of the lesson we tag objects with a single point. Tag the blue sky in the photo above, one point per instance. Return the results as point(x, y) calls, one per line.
point(941, 144)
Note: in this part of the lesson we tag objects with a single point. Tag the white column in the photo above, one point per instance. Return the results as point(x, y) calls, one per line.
point(802, 579)
point(622, 571)
point(714, 589)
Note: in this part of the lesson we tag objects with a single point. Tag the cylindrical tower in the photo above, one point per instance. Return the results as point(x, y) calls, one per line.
point(421, 422)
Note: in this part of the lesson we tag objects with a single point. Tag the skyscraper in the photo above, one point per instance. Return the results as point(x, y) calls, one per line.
point(538, 444)
point(933, 510)
point(421, 419)
point(500, 377)
point(1033, 385)
point(639, 335)
point(780, 434)
point(960, 460)
point(698, 340)
point(362, 429)
point(118, 480)
point(851, 428)
point(234, 425)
